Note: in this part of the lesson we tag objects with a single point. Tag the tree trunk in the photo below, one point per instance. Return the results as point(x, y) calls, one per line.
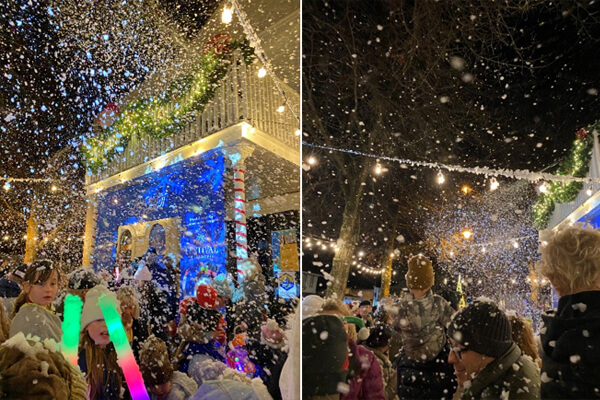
point(342, 261)
point(31, 245)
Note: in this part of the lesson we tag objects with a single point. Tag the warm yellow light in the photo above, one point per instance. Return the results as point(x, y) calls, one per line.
point(361, 253)
point(262, 72)
point(440, 178)
point(53, 188)
point(378, 169)
point(466, 189)
point(494, 184)
point(297, 133)
point(281, 109)
point(5, 237)
point(467, 234)
point(6, 186)
point(515, 245)
point(312, 160)
point(227, 15)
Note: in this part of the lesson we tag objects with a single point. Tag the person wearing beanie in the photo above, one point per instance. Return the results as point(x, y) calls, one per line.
point(198, 331)
point(79, 282)
point(570, 334)
point(421, 318)
point(10, 286)
point(311, 305)
point(324, 356)
point(97, 354)
point(364, 312)
point(364, 373)
point(486, 361)
point(378, 342)
point(161, 380)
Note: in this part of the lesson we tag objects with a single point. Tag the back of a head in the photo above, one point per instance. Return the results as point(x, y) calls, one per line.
point(155, 366)
point(380, 335)
point(334, 306)
point(420, 273)
point(325, 350)
point(522, 335)
point(571, 259)
point(482, 327)
point(83, 278)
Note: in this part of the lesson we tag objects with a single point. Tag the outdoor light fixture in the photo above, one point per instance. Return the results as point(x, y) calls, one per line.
point(467, 233)
point(440, 178)
point(262, 72)
point(227, 15)
point(494, 184)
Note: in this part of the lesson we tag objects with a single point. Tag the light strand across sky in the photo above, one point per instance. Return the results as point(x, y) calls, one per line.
point(489, 172)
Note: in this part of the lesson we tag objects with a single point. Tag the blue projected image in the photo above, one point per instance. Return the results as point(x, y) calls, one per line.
point(194, 194)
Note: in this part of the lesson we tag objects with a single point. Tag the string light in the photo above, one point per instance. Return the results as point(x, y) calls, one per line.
point(54, 188)
point(589, 191)
point(440, 178)
point(465, 189)
point(312, 160)
point(227, 15)
point(494, 184)
point(543, 188)
point(378, 169)
point(6, 186)
point(515, 245)
point(262, 72)
point(467, 234)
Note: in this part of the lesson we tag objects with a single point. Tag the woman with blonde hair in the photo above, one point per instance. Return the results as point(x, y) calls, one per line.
point(570, 334)
point(522, 335)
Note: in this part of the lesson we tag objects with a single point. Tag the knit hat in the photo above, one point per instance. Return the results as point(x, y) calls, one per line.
point(221, 284)
point(271, 334)
point(155, 366)
point(206, 296)
point(362, 330)
point(364, 303)
point(19, 271)
point(91, 310)
point(311, 305)
point(325, 350)
point(420, 273)
point(83, 278)
point(482, 327)
point(183, 304)
point(380, 335)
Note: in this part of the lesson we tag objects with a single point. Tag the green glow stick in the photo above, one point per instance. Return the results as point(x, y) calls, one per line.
point(71, 327)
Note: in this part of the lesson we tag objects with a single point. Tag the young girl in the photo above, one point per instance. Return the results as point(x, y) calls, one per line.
point(33, 313)
point(97, 354)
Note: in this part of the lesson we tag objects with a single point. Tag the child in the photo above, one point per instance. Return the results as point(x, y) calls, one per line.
point(422, 318)
point(158, 374)
point(34, 315)
point(97, 354)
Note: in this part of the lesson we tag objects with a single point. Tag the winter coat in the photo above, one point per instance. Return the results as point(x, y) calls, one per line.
point(140, 334)
point(433, 379)
point(422, 323)
point(289, 385)
point(571, 348)
point(367, 383)
point(36, 370)
point(159, 299)
point(225, 389)
point(511, 376)
point(388, 373)
point(109, 378)
point(9, 288)
point(268, 362)
point(35, 320)
point(194, 352)
point(182, 387)
point(251, 306)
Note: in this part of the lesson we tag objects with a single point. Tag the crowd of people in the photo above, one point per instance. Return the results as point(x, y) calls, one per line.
point(420, 347)
point(205, 346)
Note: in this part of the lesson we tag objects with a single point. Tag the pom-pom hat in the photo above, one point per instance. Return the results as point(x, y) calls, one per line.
point(420, 273)
point(206, 296)
point(362, 330)
point(91, 310)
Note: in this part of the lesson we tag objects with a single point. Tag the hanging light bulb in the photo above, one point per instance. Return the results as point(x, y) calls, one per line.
point(262, 72)
point(543, 188)
point(227, 15)
point(54, 188)
point(6, 186)
point(494, 184)
point(440, 178)
point(312, 160)
point(378, 168)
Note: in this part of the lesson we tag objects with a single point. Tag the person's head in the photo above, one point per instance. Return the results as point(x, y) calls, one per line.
point(40, 283)
point(364, 308)
point(571, 260)
point(206, 296)
point(249, 270)
point(522, 335)
point(156, 367)
point(419, 278)
point(380, 336)
point(223, 287)
point(271, 334)
point(17, 273)
point(478, 334)
point(130, 305)
point(92, 319)
point(311, 305)
point(325, 350)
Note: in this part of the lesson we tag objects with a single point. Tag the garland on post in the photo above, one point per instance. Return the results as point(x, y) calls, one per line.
point(163, 115)
point(577, 164)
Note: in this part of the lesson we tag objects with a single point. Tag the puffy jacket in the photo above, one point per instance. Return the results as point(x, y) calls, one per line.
point(433, 379)
point(388, 373)
point(571, 348)
point(511, 376)
point(367, 383)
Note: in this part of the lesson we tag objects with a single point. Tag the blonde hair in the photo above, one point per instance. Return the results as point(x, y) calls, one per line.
point(571, 260)
point(522, 335)
point(335, 306)
point(128, 295)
